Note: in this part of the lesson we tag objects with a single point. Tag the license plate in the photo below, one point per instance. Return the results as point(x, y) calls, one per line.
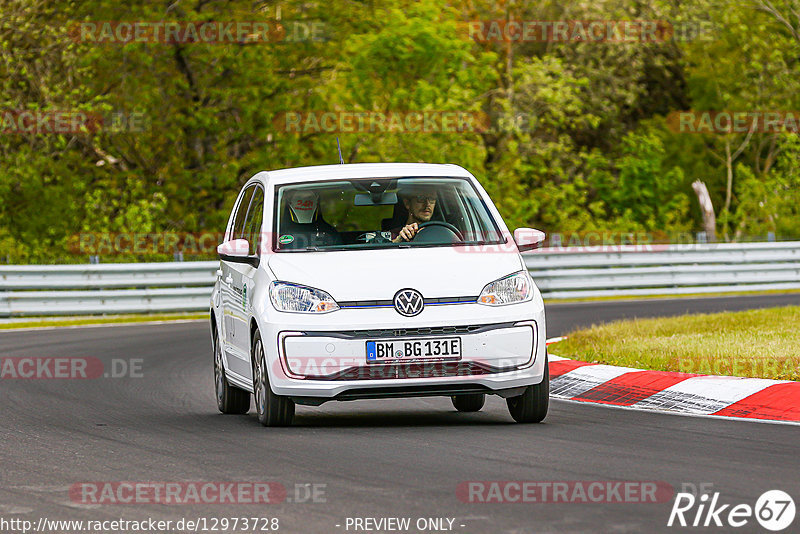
point(446, 348)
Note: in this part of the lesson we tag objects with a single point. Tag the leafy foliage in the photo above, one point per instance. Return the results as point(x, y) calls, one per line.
point(577, 136)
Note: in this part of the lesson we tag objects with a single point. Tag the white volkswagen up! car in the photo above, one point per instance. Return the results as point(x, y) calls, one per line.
point(372, 281)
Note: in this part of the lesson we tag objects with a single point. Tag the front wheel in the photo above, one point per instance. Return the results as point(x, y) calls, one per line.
point(472, 402)
point(230, 399)
point(531, 406)
point(272, 410)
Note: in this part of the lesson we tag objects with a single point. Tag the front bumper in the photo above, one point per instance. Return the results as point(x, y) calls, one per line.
point(312, 364)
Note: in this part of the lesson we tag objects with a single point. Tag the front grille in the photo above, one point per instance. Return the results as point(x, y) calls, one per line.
point(419, 331)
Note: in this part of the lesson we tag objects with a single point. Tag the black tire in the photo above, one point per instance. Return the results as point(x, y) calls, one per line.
point(531, 406)
point(230, 399)
point(272, 410)
point(471, 402)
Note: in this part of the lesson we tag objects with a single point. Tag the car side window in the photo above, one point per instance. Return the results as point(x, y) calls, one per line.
point(255, 216)
point(241, 211)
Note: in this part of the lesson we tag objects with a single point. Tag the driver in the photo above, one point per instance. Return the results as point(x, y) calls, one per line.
point(419, 202)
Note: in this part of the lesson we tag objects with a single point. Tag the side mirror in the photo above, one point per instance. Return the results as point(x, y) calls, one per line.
point(528, 238)
point(237, 251)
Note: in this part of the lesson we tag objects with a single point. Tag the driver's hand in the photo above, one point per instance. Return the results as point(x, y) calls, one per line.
point(407, 233)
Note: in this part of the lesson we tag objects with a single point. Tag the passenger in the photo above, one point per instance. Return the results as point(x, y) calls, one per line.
point(302, 224)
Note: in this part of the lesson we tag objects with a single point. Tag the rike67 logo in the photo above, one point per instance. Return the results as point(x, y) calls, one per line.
point(774, 510)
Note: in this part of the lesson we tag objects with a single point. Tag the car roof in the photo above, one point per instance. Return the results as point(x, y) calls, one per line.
point(359, 170)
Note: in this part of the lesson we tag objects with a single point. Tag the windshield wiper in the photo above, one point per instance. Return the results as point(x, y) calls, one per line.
point(325, 248)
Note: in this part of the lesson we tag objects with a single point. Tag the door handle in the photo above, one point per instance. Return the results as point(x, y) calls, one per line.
point(229, 279)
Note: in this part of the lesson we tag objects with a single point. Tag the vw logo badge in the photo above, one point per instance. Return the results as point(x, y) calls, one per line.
point(408, 302)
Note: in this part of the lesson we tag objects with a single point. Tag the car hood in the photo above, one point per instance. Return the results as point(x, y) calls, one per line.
point(378, 274)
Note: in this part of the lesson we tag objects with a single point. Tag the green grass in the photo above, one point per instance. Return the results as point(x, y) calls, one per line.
point(107, 319)
point(755, 343)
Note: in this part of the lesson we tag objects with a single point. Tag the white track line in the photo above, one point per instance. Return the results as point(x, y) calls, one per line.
point(98, 325)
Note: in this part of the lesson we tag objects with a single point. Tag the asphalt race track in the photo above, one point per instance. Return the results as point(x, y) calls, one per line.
point(393, 458)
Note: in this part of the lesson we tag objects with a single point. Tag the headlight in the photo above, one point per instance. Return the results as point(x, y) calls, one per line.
point(296, 298)
point(510, 289)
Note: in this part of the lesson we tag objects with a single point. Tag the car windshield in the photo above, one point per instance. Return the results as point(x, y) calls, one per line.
point(372, 213)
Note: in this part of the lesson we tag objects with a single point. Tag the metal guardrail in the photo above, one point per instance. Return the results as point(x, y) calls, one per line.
point(577, 272)
point(639, 270)
point(112, 288)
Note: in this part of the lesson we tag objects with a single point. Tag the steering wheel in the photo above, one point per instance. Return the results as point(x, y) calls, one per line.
point(439, 231)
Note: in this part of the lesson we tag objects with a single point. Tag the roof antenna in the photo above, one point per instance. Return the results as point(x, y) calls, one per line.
point(338, 146)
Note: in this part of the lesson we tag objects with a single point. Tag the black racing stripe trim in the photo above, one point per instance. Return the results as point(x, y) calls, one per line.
point(388, 303)
point(364, 303)
point(452, 300)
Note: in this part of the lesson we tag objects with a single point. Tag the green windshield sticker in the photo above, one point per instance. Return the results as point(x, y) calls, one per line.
point(285, 239)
